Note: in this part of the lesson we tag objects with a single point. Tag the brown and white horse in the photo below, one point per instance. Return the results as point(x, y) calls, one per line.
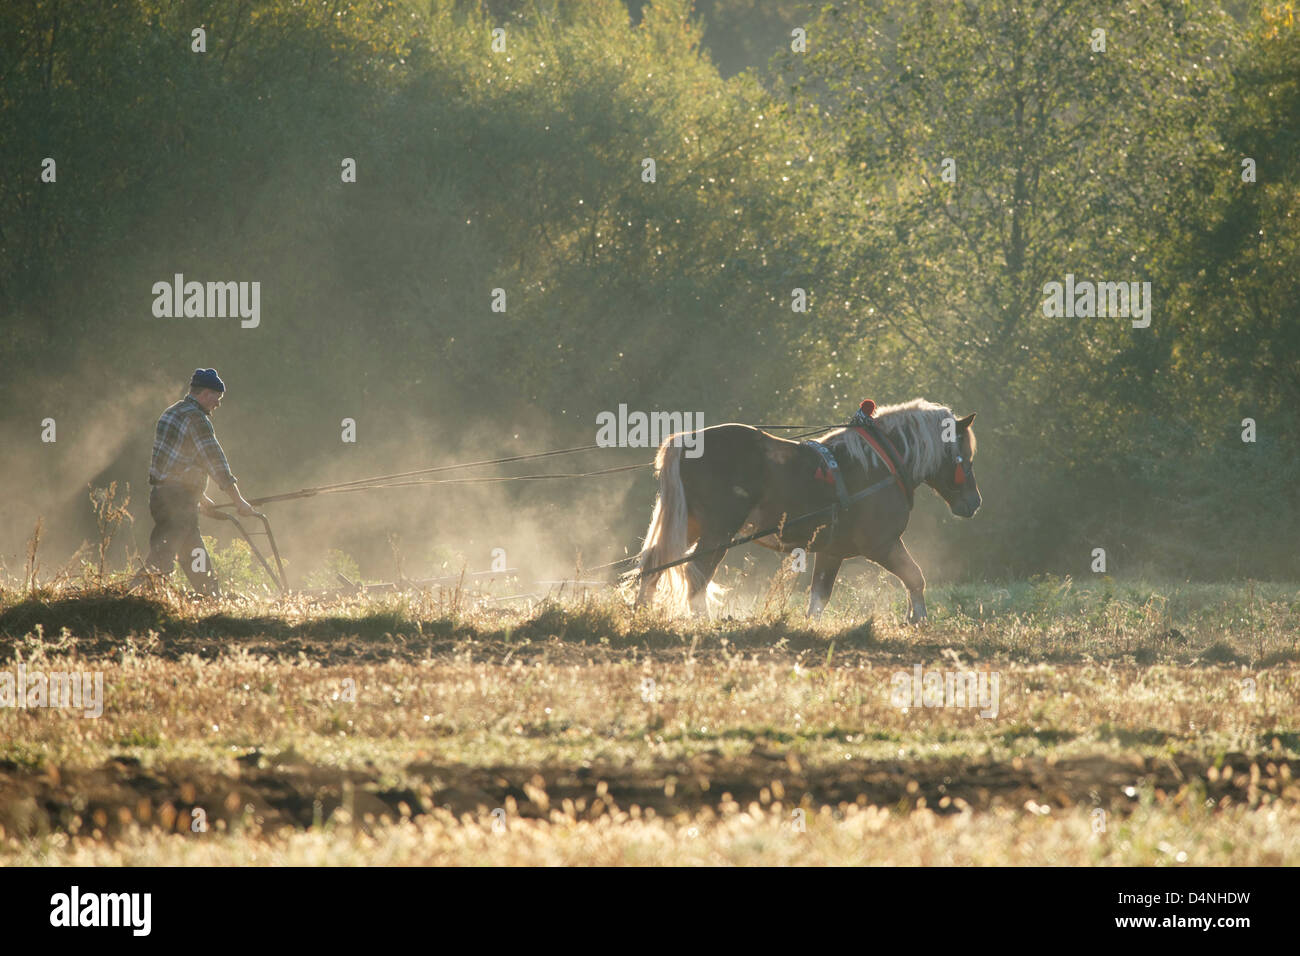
point(746, 480)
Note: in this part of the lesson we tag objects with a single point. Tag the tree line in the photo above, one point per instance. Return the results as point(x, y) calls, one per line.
point(920, 170)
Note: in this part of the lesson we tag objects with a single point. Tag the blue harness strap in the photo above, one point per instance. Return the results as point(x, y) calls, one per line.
point(833, 469)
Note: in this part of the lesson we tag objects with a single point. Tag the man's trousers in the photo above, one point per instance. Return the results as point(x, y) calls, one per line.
point(175, 512)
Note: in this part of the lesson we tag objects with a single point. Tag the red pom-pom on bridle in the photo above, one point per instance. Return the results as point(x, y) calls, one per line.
point(865, 412)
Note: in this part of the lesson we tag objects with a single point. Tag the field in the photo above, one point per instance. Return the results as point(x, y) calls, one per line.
point(1126, 724)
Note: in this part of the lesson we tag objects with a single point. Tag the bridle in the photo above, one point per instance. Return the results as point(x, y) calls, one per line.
point(961, 469)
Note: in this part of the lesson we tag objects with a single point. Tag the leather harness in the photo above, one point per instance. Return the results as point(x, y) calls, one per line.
point(897, 466)
point(831, 473)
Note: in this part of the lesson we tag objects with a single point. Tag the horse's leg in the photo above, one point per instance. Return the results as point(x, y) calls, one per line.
point(825, 567)
point(705, 500)
point(715, 531)
point(701, 573)
point(899, 562)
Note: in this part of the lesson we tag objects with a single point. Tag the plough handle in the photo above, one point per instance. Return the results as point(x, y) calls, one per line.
point(277, 579)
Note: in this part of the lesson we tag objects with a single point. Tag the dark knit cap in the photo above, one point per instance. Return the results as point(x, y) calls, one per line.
point(207, 378)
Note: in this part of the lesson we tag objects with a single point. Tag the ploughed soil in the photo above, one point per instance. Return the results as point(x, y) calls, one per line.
point(271, 795)
point(274, 792)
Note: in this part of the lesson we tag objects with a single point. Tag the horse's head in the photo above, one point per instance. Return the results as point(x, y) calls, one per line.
point(955, 479)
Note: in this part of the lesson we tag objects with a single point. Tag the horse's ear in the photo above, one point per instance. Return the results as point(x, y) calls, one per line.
point(964, 423)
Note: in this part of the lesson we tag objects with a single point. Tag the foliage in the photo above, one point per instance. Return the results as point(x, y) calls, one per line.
point(522, 171)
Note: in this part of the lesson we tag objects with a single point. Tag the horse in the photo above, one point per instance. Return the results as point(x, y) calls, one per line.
point(847, 494)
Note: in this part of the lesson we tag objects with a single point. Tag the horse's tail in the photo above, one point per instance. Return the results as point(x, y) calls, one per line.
point(665, 539)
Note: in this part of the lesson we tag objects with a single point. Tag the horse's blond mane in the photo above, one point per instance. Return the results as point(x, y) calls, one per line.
point(916, 429)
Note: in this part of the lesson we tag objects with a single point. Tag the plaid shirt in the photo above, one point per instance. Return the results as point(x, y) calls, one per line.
point(186, 450)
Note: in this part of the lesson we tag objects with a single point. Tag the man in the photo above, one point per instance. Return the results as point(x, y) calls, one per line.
point(185, 453)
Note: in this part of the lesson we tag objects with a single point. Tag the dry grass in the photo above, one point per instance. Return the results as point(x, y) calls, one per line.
point(860, 836)
point(1183, 678)
point(482, 713)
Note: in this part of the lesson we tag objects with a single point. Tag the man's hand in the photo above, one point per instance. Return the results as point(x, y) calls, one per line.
point(240, 502)
point(209, 507)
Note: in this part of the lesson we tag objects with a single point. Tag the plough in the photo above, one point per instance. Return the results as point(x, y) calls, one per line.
point(277, 575)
